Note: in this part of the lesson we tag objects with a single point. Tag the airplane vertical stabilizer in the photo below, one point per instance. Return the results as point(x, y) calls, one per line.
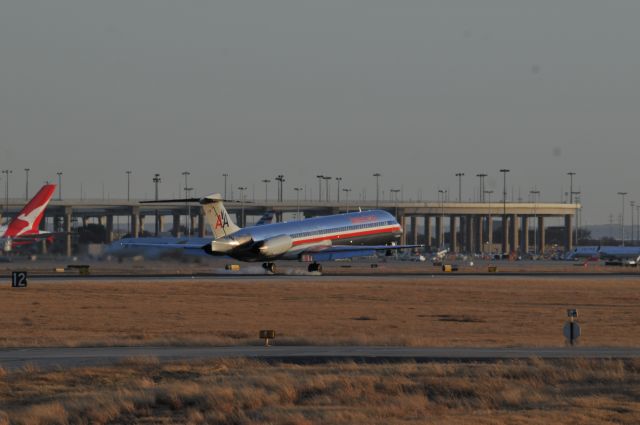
point(217, 216)
point(28, 220)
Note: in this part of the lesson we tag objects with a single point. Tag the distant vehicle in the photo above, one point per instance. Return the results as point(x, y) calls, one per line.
point(24, 228)
point(438, 256)
point(315, 239)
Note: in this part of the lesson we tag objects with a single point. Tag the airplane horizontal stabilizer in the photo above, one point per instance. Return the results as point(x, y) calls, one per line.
point(185, 245)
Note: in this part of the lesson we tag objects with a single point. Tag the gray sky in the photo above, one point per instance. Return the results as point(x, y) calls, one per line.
point(416, 90)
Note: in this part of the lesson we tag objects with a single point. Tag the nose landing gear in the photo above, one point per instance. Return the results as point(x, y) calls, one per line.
point(315, 267)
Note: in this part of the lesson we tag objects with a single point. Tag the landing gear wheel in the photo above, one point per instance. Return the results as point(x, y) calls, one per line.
point(270, 267)
point(315, 267)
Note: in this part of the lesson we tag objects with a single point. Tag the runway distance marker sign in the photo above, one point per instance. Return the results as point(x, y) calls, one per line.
point(18, 279)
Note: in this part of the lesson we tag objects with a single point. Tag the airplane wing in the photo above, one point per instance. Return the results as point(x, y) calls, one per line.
point(36, 237)
point(336, 252)
point(30, 238)
point(169, 245)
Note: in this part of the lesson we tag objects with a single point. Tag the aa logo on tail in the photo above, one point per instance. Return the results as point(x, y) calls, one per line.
point(222, 221)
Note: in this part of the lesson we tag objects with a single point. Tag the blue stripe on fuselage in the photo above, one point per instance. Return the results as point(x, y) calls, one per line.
point(317, 224)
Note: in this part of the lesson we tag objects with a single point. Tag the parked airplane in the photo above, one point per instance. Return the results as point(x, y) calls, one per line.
point(587, 252)
point(618, 255)
point(610, 254)
point(266, 218)
point(314, 239)
point(24, 228)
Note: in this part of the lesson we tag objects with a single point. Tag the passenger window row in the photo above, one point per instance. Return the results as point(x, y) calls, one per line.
point(339, 229)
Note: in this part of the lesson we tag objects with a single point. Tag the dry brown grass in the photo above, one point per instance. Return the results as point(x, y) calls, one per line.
point(232, 391)
point(419, 311)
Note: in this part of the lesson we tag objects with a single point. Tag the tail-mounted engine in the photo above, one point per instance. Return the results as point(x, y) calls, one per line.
point(275, 246)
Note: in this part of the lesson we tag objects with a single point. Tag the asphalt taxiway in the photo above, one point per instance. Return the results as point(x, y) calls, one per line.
point(65, 357)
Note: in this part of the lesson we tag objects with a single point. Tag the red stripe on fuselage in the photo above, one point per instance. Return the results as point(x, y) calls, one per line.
point(345, 235)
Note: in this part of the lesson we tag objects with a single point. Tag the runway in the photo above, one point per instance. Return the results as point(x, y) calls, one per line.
point(215, 269)
point(382, 277)
point(48, 358)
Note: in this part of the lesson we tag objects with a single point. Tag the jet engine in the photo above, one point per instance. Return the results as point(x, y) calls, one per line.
point(227, 244)
point(275, 246)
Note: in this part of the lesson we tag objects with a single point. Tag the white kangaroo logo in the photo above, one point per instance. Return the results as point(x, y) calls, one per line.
point(30, 218)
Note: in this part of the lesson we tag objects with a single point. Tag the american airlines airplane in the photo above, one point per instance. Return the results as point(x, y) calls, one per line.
point(24, 228)
point(315, 239)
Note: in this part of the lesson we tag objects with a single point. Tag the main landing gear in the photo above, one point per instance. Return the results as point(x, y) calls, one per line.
point(270, 267)
point(315, 267)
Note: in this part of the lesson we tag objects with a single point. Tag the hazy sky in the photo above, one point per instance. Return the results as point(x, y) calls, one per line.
point(415, 90)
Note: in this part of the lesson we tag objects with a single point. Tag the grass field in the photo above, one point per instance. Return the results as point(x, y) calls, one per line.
point(248, 392)
point(418, 311)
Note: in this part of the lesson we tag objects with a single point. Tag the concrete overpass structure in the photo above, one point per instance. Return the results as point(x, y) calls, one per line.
point(471, 225)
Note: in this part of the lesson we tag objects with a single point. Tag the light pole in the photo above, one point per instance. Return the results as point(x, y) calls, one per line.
point(504, 172)
point(576, 215)
point(297, 189)
point(186, 175)
point(377, 176)
point(26, 188)
point(128, 186)
point(571, 174)
point(638, 226)
point(622, 217)
point(128, 197)
point(59, 173)
point(441, 195)
point(266, 188)
point(579, 216)
point(242, 218)
point(156, 180)
point(326, 180)
point(338, 179)
point(482, 191)
point(187, 192)
point(459, 175)
point(346, 195)
point(535, 194)
point(280, 178)
point(6, 190)
point(320, 177)
point(632, 226)
point(225, 175)
point(395, 199)
point(489, 228)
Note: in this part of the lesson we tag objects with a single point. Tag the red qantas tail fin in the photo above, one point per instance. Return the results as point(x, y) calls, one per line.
point(28, 220)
